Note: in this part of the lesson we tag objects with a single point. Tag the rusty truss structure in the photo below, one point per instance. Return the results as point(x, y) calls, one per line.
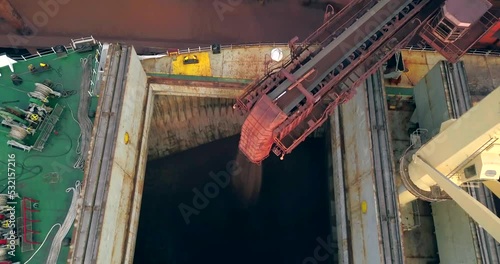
point(322, 72)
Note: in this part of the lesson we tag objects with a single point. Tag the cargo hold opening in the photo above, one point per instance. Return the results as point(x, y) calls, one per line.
point(189, 215)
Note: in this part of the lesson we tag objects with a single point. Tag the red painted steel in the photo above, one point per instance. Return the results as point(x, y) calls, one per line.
point(258, 129)
point(331, 29)
point(491, 38)
point(455, 50)
point(309, 116)
point(26, 220)
point(289, 117)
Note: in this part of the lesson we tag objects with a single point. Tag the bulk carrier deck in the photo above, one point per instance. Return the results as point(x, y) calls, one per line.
point(148, 107)
point(42, 166)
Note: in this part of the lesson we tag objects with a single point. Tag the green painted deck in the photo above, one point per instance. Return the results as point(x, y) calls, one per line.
point(44, 176)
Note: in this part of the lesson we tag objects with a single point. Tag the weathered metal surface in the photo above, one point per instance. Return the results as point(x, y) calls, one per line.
point(105, 225)
point(245, 63)
point(189, 112)
point(480, 70)
point(453, 51)
point(417, 64)
point(117, 222)
point(491, 39)
point(453, 100)
point(161, 64)
point(456, 143)
point(430, 98)
point(183, 122)
point(449, 218)
point(466, 11)
point(99, 148)
point(388, 206)
point(324, 35)
point(399, 122)
point(484, 217)
point(482, 75)
point(201, 68)
point(91, 253)
point(338, 189)
point(360, 183)
point(237, 63)
point(163, 86)
point(257, 131)
point(348, 56)
point(420, 242)
point(197, 91)
point(493, 186)
point(485, 246)
point(139, 180)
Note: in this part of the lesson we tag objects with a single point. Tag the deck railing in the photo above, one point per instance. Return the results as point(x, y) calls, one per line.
point(70, 50)
point(39, 54)
point(94, 82)
point(229, 47)
point(226, 47)
point(95, 60)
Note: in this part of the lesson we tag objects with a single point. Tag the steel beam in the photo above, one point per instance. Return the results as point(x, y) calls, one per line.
point(204, 89)
point(494, 187)
point(476, 210)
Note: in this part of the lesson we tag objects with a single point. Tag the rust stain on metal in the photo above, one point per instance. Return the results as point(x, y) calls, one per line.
point(417, 66)
point(9, 14)
point(181, 122)
point(258, 129)
point(171, 81)
point(239, 62)
point(247, 63)
point(119, 255)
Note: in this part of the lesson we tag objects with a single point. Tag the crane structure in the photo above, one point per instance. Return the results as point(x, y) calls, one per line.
point(466, 150)
point(296, 97)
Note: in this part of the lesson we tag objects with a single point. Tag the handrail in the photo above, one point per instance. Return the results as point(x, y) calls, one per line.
point(487, 52)
point(69, 48)
point(32, 56)
point(223, 47)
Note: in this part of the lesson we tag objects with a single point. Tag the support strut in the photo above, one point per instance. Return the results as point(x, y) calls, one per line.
point(476, 210)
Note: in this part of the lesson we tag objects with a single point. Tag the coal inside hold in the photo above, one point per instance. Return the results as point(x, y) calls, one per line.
point(291, 213)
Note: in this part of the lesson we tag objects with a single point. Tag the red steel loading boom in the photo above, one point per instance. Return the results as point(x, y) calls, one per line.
point(291, 101)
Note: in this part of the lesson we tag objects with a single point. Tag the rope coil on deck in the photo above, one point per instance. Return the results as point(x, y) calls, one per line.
point(43, 89)
point(18, 133)
point(55, 249)
point(83, 119)
point(41, 92)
